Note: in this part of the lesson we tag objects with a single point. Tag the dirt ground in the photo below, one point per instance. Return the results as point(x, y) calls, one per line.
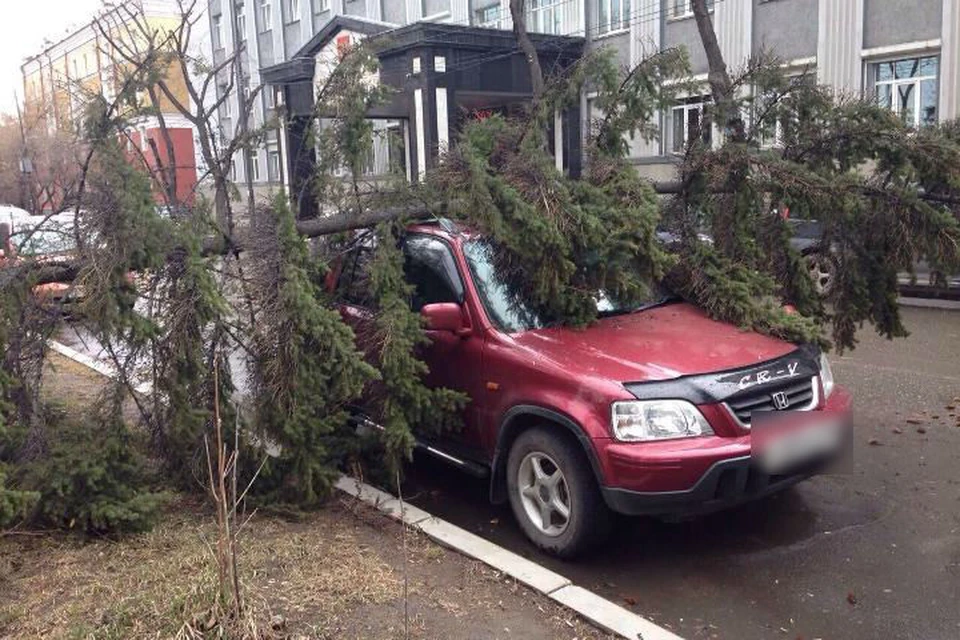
point(336, 573)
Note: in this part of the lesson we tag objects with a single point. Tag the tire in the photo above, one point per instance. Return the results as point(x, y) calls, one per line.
point(534, 489)
point(823, 271)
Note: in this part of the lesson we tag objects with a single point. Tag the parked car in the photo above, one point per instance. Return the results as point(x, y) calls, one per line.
point(647, 411)
point(44, 239)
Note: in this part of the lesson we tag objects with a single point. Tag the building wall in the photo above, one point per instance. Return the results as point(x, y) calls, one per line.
point(890, 23)
point(58, 81)
point(683, 32)
point(787, 28)
point(839, 38)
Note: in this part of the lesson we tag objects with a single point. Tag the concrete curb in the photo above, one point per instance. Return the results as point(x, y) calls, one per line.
point(930, 303)
point(601, 612)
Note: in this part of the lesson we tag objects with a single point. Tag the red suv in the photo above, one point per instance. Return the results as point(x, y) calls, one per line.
point(646, 411)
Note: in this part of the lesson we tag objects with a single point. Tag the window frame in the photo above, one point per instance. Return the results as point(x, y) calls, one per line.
point(605, 29)
point(483, 20)
point(240, 18)
point(218, 32)
point(544, 7)
point(676, 13)
point(693, 103)
point(319, 6)
point(916, 81)
point(254, 162)
point(293, 11)
point(455, 278)
point(275, 169)
point(266, 15)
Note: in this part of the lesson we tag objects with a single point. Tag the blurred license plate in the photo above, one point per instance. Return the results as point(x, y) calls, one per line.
point(783, 449)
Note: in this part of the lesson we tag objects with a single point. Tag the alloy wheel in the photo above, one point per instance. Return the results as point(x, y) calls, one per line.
point(821, 271)
point(544, 493)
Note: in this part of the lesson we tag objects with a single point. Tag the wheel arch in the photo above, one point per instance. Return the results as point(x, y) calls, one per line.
point(523, 417)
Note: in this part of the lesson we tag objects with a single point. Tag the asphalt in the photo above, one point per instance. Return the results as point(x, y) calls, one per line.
point(871, 554)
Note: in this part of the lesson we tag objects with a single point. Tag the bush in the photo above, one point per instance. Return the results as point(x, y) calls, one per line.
point(14, 505)
point(92, 478)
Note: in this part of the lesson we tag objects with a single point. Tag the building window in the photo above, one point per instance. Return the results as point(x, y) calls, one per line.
point(684, 8)
point(226, 106)
point(270, 97)
point(233, 170)
point(488, 17)
point(612, 15)
point(266, 15)
point(691, 121)
point(545, 16)
point(273, 166)
point(293, 11)
point(218, 32)
point(320, 6)
point(909, 88)
point(241, 22)
point(254, 165)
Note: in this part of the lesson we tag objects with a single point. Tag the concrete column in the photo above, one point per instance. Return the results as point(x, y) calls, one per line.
point(645, 23)
point(460, 12)
point(950, 61)
point(414, 10)
point(839, 45)
point(506, 21)
point(420, 133)
point(733, 21)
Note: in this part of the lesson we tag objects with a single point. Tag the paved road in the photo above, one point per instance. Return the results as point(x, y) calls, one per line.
point(873, 554)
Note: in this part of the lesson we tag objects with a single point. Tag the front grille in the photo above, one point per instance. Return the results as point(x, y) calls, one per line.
point(802, 395)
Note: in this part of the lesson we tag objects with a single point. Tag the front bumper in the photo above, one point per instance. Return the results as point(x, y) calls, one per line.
point(697, 475)
point(726, 484)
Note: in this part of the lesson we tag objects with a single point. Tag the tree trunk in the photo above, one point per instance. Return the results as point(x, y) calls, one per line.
point(719, 78)
point(518, 14)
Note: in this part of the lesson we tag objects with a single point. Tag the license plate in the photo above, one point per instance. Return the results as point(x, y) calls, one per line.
point(788, 449)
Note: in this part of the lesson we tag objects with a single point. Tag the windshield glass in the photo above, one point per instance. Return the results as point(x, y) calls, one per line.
point(50, 238)
point(509, 309)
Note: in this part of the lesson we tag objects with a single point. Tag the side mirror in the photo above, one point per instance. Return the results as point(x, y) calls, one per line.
point(444, 316)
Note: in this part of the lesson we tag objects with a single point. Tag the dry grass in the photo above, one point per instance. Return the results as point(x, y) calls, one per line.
point(150, 585)
point(337, 573)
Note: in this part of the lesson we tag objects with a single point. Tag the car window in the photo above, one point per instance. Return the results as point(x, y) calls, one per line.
point(354, 284)
point(431, 269)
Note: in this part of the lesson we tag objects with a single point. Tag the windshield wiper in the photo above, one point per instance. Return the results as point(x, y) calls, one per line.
point(668, 299)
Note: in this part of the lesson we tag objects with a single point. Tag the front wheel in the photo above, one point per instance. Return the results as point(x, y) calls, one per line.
point(553, 493)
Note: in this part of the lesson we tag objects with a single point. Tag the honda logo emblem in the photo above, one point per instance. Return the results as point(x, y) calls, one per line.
point(780, 400)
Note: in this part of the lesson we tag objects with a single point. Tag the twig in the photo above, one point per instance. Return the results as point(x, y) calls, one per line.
point(403, 534)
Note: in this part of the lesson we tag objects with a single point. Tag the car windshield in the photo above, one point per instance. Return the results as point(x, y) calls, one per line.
point(50, 238)
point(510, 310)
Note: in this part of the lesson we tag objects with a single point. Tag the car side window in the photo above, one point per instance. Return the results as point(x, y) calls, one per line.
point(431, 269)
point(353, 287)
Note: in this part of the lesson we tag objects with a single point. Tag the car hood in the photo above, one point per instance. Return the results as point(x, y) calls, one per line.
point(660, 343)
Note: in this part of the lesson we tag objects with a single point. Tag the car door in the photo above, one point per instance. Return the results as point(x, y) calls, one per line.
point(454, 359)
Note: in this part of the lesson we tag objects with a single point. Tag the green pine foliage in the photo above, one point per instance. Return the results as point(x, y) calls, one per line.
point(92, 478)
point(306, 368)
point(567, 239)
point(187, 351)
point(853, 166)
point(15, 505)
point(406, 406)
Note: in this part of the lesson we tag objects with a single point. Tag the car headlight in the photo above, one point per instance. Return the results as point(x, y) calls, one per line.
point(644, 420)
point(826, 376)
